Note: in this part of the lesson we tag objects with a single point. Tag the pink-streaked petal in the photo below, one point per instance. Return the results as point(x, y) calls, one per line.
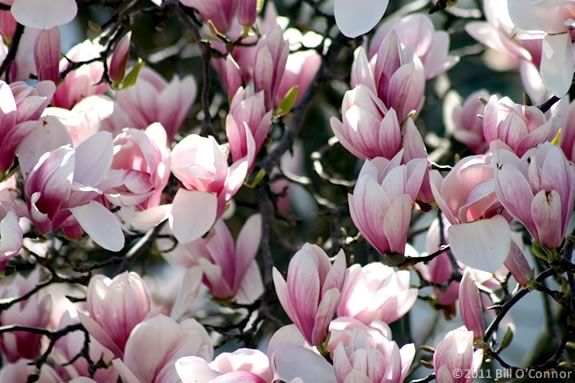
point(193, 214)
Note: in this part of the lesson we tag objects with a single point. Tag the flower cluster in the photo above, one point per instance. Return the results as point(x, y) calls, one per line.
point(160, 221)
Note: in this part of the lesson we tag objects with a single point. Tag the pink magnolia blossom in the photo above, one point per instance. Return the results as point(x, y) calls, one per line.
point(243, 365)
point(478, 235)
point(368, 129)
point(61, 184)
point(247, 116)
point(20, 106)
point(84, 81)
point(32, 312)
point(269, 65)
point(455, 352)
point(382, 200)
point(376, 292)
point(312, 291)
point(40, 14)
point(517, 126)
point(119, 59)
point(69, 346)
point(395, 74)
point(156, 344)
point(7, 24)
point(368, 354)
point(518, 265)
point(115, 307)
point(209, 183)
point(220, 12)
point(153, 99)
point(466, 123)
point(229, 269)
point(139, 173)
point(553, 20)
point(416, 32)
point(538, 190)
point(23, 368)
point(301, 69)
point(470, 306)
point(47, 52)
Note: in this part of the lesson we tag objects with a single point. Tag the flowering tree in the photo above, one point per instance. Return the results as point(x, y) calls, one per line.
point(258, 191)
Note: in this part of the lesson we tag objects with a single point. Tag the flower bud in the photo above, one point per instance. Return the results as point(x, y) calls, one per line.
point(470, 305)
point(247, 12)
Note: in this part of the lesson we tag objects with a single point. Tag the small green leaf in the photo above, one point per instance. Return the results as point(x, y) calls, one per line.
point(288, 102)
point(507, 338)
point(132, 77)
point(556, 138)
point(255, 181)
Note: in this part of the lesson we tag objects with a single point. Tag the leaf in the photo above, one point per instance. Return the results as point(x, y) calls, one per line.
point(288, 102)
point(507, 338)
point(132, 77)
point(260, 6)
point(253, 183)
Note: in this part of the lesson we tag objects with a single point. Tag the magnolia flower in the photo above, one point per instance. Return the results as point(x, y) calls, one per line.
point(115, 306)
point(382, 199)
point(119, 60)
point(20, 106)
point(32, 312)
point(417, 33)
point(247, 12)
point(464, 121)
point(395, 74)
point(301, 69)
point(470, 306)
point(358, 17)
point(156, 344)
point(270, 62)
point(229, 269)
point(518, 265)
point(84, 81)
point(517, 126)
point(140, 167)
point(478, 235)
point(209, 182)
point(247, 116)
point(242, 365)
point(455, 353)
point(152, 99)
point(61, 184)
point(11, 236)
point(376, 292)
point(41, 14)
point(312, 291)
point(368, 354)
point(538, 190)
point(554, 20)
point(368, 128)
point(220, 12)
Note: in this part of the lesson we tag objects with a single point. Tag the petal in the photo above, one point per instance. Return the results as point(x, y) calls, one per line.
point(482, 245)
point(357, 17)
point(324, 315)
point(42, 14)
point(101, 225)
point(396, 223)
point(557, 63)
point(193, 369)
point(292, 362)
point(10, 236)
point(546, 211)
point(193, 214)
point(93, 159)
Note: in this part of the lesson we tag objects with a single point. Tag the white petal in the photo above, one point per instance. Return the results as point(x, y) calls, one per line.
point(101, 225)
point(557, 63)
point(43, 14)
point(483, 244)
point(357, 17)
point(93, 159)
point(193, 214)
